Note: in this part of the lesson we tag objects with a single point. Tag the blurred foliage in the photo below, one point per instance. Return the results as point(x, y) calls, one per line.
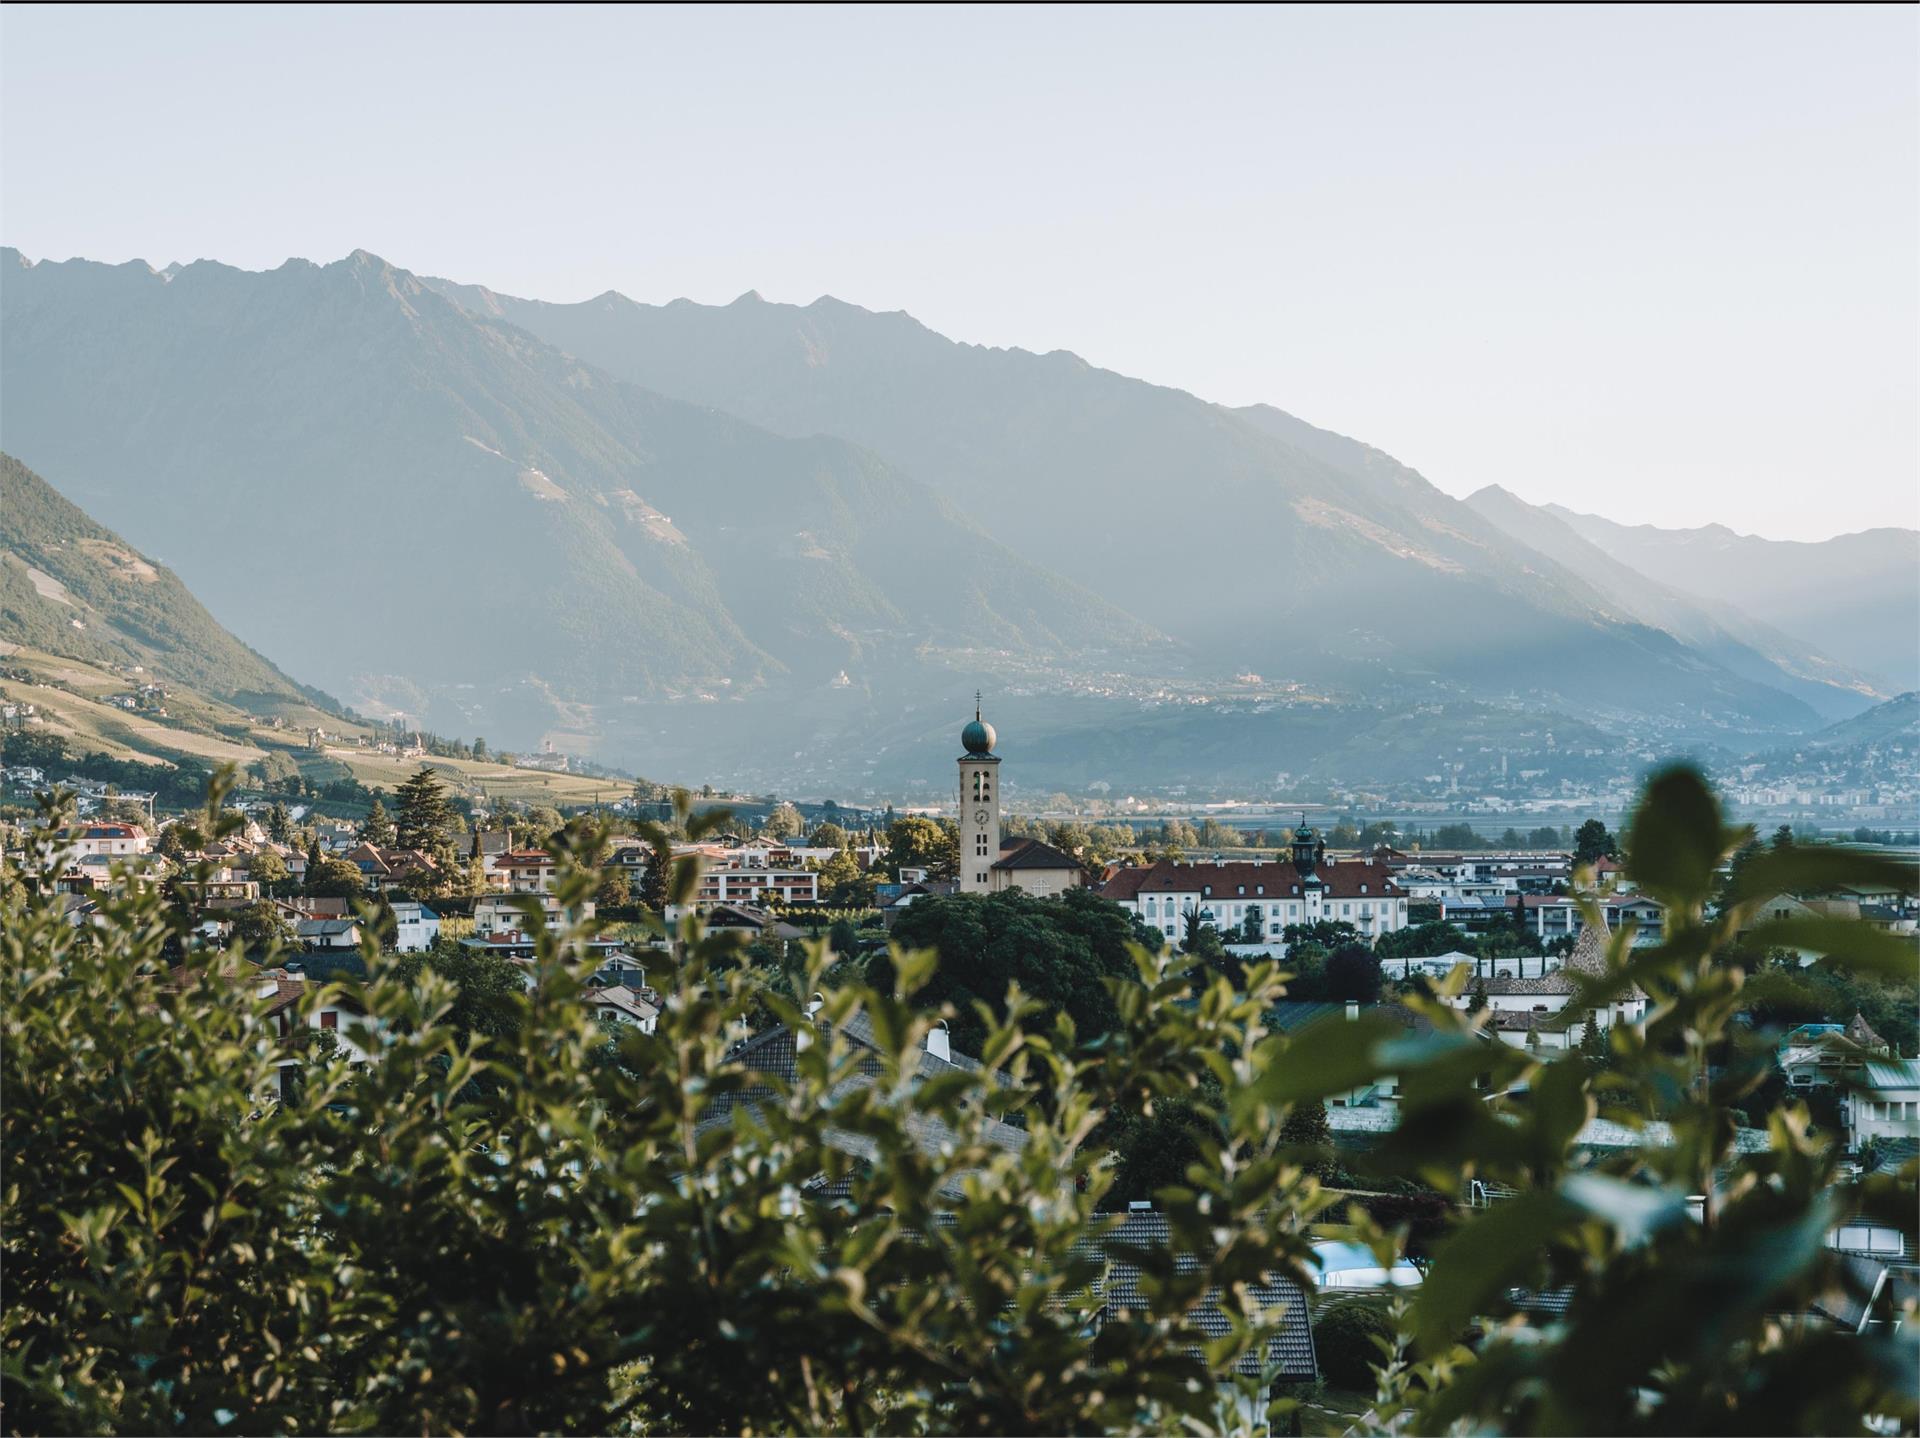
point(514, 1219)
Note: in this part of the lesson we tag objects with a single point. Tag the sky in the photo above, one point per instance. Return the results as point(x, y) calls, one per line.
point(1658, 263)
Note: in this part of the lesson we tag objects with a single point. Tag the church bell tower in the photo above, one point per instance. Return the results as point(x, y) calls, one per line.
point(979, 805)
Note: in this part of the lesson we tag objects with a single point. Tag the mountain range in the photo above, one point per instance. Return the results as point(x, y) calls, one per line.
point(1264, 543)
point(1856, 596)
point(440, 514)
point(733, 538)
point(1713, 627)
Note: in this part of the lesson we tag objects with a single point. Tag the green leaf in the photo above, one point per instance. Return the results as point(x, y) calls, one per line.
point(1676, 838)
point(1844, 941)
point(1482, 1260)
point(1328, 1058)
point(1813, 868)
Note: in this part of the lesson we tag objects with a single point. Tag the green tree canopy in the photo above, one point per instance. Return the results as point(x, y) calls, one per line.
point(917, 843)
point(784, 823)
point(1061, 952)
point(266, 868)
point(334, 878)
point(260, 930)
point(828, 836)
point(1593, 842)
point(1353, 972)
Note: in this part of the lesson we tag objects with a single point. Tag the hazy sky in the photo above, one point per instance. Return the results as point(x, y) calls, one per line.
point(1656, 263)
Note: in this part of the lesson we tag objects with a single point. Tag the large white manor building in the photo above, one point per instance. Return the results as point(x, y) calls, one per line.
point(1260, 896)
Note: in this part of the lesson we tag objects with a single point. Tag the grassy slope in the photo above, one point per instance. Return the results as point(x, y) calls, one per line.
point(69, 692)
point(70, 586)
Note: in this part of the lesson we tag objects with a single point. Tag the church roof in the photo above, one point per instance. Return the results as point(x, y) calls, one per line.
point(1861, 1032)
point(1589, 956)
point(1032, 854)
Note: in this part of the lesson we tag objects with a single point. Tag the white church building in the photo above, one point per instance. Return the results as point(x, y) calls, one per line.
point(988, 863)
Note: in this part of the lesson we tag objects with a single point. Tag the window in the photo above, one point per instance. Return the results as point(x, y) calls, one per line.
point(330, 1019)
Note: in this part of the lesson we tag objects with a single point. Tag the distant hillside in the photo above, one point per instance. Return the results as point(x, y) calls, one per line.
point(70, 587)
point(1743, 645)
point(1258, 543)
point(1255, 748)
point(439, 513)
point(1856, 596)
point(1897, 719)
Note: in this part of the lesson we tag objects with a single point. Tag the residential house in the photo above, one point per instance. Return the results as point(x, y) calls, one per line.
point(1886, 1106)
point(893, 900)
point(415, 926)
point(619, 1005)
point(382, 868)
point(1549, 1011)
point(1825, 1055)
point(521, 948)
point(1559, 916)
point(328, 933)
point(528, 871)
point(746, 881)
point(353, 1036)
point(114, 841)
point(499, 914)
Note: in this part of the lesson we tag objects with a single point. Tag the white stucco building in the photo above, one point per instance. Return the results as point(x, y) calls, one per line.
point(1887, 1105)
point(1268, 895)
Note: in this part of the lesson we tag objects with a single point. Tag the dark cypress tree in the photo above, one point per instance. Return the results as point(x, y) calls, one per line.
point(653, 882)
point(423, 811)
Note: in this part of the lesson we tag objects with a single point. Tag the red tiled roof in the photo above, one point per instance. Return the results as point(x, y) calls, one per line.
point(1278, 880)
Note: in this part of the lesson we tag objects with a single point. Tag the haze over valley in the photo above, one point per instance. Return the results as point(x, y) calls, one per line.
point(662, 536)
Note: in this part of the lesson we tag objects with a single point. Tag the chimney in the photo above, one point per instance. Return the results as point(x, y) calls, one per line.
point(267, 988)
point(937, 1044)
point(1353, 1009)
point(815, 1004)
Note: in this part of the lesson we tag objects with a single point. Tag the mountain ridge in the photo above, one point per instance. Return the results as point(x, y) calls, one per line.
point(597, 540)
point(1856, 595)
point(1743, 645)
point(1003, 432)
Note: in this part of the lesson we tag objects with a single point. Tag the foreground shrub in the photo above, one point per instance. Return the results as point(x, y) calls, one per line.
point(512, 1219)
point(1343, 1336)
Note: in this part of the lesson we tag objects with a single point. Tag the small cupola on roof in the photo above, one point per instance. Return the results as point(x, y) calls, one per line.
point(1308, 850)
